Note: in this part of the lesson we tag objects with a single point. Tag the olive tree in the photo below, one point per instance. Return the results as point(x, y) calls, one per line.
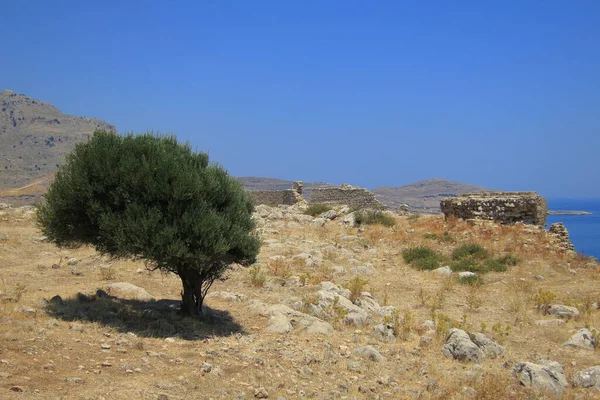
point(154, 199)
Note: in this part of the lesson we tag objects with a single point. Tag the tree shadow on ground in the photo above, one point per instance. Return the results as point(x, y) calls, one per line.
point(157, 319)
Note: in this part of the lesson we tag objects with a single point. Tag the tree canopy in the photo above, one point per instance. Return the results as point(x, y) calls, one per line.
point(152, 198)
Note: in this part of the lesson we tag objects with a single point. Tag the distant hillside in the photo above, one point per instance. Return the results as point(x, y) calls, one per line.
point(35, 137)
point(423, 196)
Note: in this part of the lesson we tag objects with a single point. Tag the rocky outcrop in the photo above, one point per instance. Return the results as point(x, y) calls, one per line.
point(546, 376)
point(502, 207)
point(464, 347)
point(589, 377)
point(125, 290)
point(583, 339)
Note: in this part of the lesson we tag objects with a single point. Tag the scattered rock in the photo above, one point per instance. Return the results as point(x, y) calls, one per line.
point(460, 347)
point(589, 377)
point(561, 311)
point(229, 296)
point(75, 380)
point(279, 323)
point(261, 393)
point(124, 290)
point(550, 322)
point(546, 377)
point(73, 261)
point(367, 269)
point(318, 222)
point(384, 333)
point(349, 219)
point(25, 310)
point(369, 353)
point(16, 388)
point(583, 339)
point(331, 214)
point(318, 327)
point(466, 275)
point(490, 348)
point(4, 236)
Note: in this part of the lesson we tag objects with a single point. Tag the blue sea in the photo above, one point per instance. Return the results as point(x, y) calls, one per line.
point(584, 230)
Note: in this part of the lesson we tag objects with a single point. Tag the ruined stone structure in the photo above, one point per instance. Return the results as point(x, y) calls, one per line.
point(275, 197)
point(346, 195)
point(503, 207)
point(561, 234)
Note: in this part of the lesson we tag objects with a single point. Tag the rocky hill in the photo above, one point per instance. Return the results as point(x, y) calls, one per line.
point(35, 137)
point(423, 196)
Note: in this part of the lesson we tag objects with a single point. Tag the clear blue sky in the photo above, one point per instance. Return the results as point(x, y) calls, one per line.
point(503, 94)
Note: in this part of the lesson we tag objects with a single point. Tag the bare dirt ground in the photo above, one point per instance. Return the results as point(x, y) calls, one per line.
point(87, 347)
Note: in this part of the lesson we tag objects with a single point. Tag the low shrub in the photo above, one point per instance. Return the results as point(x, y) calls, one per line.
point(422, 258)
point(495, 265)
point(470, 250)
point(317, 209)
point(371, 217)
point(256, 277)
point(356, 286)
point(468, 264)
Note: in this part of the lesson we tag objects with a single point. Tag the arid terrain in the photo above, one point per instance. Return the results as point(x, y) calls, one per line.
point(330, 311)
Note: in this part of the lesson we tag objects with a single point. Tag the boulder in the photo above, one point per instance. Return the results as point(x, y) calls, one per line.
point(444, 271)
point(561, 311)
point(384, 333)
point(490, 348)
point(546, 376)
point(583, 339)
point(331, 214)
point(349, 219)
point(369, 353)
point(589, 377)
point(128, 291)
point(460, 347)
point(318, 222)
point(317, 327)
point(466, 275)
point(279, 323)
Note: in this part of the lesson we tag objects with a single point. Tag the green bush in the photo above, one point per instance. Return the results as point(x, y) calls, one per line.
point(479, 266)
point(468, 264)
point(495, 265)
point(154, 199)
point(371, 217)
point(422, 258)
point(316, 209)
point(470, 250)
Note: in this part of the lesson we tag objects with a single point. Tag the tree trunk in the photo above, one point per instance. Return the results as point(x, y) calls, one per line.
point(192, 296)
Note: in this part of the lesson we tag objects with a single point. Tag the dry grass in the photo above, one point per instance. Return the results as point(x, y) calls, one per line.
point(127, 349)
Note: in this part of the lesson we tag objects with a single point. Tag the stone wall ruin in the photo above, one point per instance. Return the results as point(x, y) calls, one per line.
point(502, 207)
point(345, 195)
point(275, 197)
